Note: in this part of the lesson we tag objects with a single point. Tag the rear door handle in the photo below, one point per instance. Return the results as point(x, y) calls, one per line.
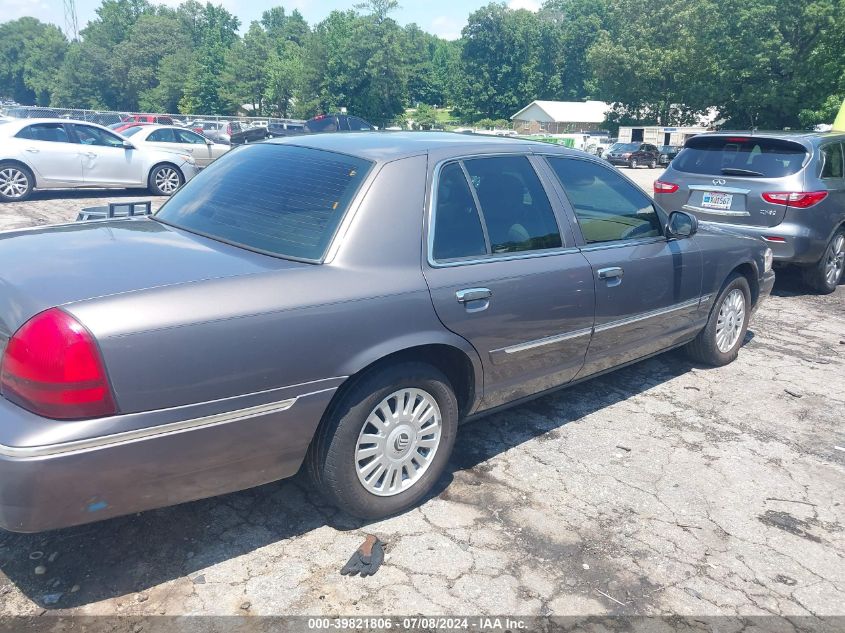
point(473, 294)
point(611, 273)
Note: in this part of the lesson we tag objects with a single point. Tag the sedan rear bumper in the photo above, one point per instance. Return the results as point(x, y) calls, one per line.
point(70, 483)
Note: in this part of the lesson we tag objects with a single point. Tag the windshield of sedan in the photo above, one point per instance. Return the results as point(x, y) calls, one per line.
point(625, 147)
point(280, 200)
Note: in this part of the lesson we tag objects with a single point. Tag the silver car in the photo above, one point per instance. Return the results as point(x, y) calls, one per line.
point(176, 139)
point(60, 154)
point(786, 188)
point(338, 302)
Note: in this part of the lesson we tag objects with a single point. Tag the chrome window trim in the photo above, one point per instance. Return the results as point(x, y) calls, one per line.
point(474, 259)
point(725, 212)
point(598, 246)
point(719, 188)
point(161, 430)
point(548, 340)
point(692, 303)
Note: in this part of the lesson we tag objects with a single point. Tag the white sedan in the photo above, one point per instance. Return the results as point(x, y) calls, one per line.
point(61, 154)
point(179, 139)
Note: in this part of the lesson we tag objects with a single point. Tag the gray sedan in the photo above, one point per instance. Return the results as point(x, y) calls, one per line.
point(339, 303)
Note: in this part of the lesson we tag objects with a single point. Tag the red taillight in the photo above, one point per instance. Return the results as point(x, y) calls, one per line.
point(229, 129)
point(797, 199)
point(52, 367)
point(664, 187)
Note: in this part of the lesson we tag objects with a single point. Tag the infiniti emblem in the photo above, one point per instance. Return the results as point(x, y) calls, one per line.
point(720, 181)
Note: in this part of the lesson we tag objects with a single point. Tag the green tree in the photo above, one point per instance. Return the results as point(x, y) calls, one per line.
point(31, 53)
point(425, 117)
point(244, 74)
point(284, 79)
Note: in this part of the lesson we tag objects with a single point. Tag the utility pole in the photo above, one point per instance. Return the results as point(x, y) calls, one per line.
point(71, 22)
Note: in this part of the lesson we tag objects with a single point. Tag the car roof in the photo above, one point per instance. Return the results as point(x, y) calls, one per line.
point(386, 146)
point(808, 136)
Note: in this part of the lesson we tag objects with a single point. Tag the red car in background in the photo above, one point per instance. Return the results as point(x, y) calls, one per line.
point(148, 118)
point(121, 127)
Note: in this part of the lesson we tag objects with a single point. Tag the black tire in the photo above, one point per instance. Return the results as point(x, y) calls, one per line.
point(14, 176)
point(816, 276)
point(331, 458)
point(633, 164)
point(652, 164)
point(159, 186)
point(704, 347)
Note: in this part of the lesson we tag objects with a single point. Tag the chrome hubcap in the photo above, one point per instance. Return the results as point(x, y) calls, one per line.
point(167, 180)
point(730, 322)
point(398, 442)
point(835, 260)
point(13, 182)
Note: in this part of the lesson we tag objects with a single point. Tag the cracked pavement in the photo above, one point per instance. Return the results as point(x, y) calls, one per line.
point(661, 489)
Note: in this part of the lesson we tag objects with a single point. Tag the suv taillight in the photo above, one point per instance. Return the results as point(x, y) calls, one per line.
point(798, 199)
point(53, 367)
point(229, 129)
point(665, 187)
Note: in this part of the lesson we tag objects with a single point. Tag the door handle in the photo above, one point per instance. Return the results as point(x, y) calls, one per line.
point(32, 150)
point(88, 154)
point(473, 294)
point(611, 273)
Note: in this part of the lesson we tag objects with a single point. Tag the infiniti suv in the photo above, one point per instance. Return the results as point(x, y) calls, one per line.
point(787, 188)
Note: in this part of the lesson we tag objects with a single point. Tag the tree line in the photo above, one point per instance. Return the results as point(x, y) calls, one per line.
point(760, 63)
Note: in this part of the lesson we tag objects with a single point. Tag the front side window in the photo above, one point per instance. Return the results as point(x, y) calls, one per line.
point(164, 135)
point(833, 167)
point(457, 225)
point(514, 205)
point(95, 136)
point(280, 200)
point(50, 132)
point(608, 207)
point(186, 136)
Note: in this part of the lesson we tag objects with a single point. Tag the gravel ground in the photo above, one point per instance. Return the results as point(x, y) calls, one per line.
point(663, 488)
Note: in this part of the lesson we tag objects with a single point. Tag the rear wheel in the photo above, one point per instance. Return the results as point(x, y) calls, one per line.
point(719, 342)
point(386, 442)
point(165, 180)
point(634, 163)
point(16, 182)
point(826, 275)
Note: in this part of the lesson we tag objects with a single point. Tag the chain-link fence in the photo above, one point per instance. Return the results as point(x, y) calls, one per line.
point(107, 117)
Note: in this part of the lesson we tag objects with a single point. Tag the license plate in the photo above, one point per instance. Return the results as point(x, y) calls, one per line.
point(716, 200)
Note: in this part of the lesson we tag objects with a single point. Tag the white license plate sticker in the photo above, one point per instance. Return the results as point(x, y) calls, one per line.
point(716, 200)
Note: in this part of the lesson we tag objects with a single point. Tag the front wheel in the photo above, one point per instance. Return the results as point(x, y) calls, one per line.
point(826, 275)
point(719, 342)
point(386, 441)
point(165, 180)
point(652, 164)
point(16, 182)
point(633, 164)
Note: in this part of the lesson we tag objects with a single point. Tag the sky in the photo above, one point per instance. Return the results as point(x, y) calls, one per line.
point(445, 18)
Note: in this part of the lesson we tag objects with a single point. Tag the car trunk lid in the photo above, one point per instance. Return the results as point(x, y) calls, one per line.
point(722, 179)
point(53, 266)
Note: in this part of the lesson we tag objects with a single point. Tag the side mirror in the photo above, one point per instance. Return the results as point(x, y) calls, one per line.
point(208, 141)
point(681, 225)
point(128, 145)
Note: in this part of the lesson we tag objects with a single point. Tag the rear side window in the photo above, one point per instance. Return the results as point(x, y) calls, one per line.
point(833, 167)
point(515, 208)
point(165, 135)
point(457, 226)
point(325, 124)
point(740, 156)
point(276, 199)
point(51, 132)
point(608, 207)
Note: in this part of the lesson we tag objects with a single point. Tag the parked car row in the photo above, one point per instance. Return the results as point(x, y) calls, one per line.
point(58, 154)
point(342, 304)
point(633, 155)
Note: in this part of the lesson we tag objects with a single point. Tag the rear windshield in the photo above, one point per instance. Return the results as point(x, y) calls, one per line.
point(740, 156)
point(281, 200)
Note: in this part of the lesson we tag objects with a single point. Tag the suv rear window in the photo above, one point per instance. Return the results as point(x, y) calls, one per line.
point(740, 156)
point(279, 200)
